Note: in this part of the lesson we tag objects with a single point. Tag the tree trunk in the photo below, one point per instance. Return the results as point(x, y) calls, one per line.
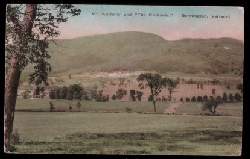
point(154, 105)
point(10, 95)
point(13, 75)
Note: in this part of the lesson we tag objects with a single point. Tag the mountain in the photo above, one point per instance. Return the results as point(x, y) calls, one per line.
point(136, 51)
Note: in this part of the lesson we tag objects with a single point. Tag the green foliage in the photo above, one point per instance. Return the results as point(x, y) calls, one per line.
point(205, 98)
point(63, 92)
point(120, 93)
point(219, 99)
point(29, 43)
point(139, 95)
point(199, 99)
point(224, 97)
point(150, 98)
point(128, 110)
point(187, 99)
point(193, 99)
point(231, 97)
point(212, 104)
point(181, 99)
point(240, 87)
point(237, 97)
point(113, 97)
point(156, 82)
point(25, 94)
point(52, 94)
point(132, 95)
point(93, 92)
point(52, 108)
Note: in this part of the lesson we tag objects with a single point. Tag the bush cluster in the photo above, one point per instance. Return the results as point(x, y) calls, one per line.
point(76, 91)
point(225, 98)
point(136, 95)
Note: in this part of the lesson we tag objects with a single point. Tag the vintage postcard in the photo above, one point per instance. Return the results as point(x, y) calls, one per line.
point(124, 79)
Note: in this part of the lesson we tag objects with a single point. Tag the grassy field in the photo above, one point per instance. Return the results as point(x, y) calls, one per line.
point(42, 105)
point(226, 109)
point(127, 133)
point(89, 106)
point(96, 132)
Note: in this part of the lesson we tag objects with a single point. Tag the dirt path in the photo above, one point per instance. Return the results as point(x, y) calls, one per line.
point(172, 108)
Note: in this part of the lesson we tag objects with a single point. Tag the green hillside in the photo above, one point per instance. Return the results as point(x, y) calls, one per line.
point(135, 51)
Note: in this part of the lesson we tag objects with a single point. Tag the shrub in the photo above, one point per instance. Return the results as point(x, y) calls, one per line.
point(77, 95)
point(25, 94)
point(93, 92)
point(199, 99)
point(205, 98)
point(132, 95)
point(69, 94)
point(52, 108)
point(139, 95)
point(219, 99)
point(63, 92)
point(210, 105)
point(120, 93)
point(57, 93)
point(52, 94)
point(158, 99)
point(231, 97)
point(237, 97)
point(113, 97)
point(181, 99)
point(211, 98)
point(224, 97)
point(100, 97)
point(187, 99)
point(150, 98)
point(240, 87)
point(193, 99)
point(70, 107)
point(128, 110)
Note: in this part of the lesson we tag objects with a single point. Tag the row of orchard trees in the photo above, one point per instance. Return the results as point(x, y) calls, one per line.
point(225, 98)
point(77, 92)
point(74, 91)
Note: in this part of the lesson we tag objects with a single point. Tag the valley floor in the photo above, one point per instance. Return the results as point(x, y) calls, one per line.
point(129, 133)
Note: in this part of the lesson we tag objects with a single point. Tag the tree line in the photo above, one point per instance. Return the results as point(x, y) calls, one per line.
point(77, 92)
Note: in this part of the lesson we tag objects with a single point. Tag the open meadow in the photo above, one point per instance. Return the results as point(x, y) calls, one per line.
point(96, 130)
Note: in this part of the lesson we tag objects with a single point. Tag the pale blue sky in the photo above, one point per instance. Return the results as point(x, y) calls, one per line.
point(171, 28)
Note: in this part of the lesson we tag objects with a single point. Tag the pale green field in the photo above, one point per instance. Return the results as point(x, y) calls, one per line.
point(90, 106)
point(42, 105)
point(93, 131)
point(127, 133)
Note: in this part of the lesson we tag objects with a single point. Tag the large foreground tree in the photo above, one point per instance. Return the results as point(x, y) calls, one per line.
point(29, 28)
